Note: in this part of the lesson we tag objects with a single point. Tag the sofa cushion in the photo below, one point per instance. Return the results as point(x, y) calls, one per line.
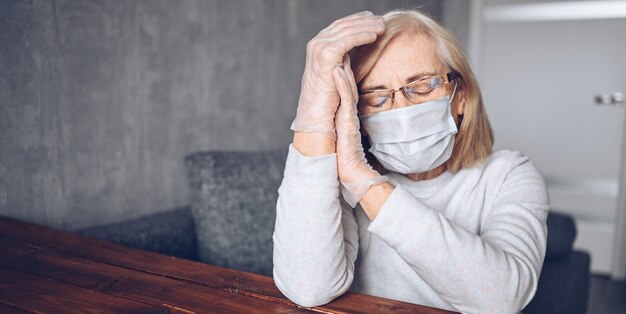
point(561, 235)
point(233, 203)
point(169, 232)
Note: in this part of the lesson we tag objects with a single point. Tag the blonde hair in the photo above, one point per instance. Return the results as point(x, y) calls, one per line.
point(474, 141)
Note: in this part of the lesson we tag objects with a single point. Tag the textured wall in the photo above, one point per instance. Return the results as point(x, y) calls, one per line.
point(101, 100)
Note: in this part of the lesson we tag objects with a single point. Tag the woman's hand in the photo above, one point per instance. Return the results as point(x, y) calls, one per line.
point(355, 174)
point(318, 96)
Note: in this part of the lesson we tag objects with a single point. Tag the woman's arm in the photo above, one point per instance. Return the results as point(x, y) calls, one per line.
point(375, 197)
point(495, 271)
point(313, 143)
point(315, 237)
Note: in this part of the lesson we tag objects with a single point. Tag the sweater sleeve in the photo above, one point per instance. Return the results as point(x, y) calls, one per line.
point(494, 271)
point(316, 235)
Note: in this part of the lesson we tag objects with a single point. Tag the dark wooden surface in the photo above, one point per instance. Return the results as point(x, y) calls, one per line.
point(46, 270)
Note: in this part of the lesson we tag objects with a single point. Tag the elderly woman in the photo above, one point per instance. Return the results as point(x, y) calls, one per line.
point(430, 215)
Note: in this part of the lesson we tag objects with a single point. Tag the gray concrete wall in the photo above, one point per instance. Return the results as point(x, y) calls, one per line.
point(101, 100)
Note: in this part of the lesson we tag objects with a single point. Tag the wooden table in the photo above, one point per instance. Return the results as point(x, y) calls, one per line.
point(52, 271)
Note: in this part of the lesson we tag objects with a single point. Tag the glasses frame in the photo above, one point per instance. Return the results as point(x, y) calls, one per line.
point(450, 76)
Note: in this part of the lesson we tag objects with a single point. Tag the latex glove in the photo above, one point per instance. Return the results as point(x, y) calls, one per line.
point(319, 99)
point(355, 174)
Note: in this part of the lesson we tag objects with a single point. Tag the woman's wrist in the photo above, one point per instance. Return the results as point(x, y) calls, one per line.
point(313, 143)
point(375, 197)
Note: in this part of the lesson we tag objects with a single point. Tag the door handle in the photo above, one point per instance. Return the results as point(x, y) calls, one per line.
point(615, 99)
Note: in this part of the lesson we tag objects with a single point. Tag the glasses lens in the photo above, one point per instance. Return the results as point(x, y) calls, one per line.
point(374, 102)
point(422, 90)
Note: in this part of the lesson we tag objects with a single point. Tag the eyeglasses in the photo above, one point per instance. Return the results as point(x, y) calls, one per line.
point(416, 92)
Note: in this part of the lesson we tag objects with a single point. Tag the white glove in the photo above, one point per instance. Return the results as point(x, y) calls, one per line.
point(355, 174)
point(318, 96)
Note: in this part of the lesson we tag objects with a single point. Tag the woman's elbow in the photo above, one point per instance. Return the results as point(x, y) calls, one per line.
point(521, 287)
point(309, 300)
point(507, 292)
point(303, 294)
point(503, 302)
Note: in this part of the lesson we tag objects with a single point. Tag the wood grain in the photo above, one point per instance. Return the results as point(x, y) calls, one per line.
point(11, 248)
point(6, 308)
point(75, 262)
point(159, 291)
point(38, 294)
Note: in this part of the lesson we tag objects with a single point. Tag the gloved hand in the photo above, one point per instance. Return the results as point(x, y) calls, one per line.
point(318, 96)
point(355, 174)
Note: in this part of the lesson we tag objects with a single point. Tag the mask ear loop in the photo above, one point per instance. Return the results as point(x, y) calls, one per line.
point(453, 93)
point(460, 117)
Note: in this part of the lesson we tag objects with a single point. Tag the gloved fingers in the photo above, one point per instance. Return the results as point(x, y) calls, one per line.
point(342, 30)
point(350, 17)
point(342, 83)
point(328, 47)
point(372, 23)
point(346, 121)
point(347, 93)
point(355, 39)
point(347, 67)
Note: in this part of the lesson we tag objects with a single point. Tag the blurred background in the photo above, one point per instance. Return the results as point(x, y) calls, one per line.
point(101, 100)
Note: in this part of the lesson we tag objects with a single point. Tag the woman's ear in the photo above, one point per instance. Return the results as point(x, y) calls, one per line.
point(460, 107)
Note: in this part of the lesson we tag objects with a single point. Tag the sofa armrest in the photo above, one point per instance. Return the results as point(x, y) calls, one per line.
point(563, 286)
point(561, 235)
point(171, 232)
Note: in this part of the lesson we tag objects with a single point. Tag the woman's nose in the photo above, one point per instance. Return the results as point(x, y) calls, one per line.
point(399, 100)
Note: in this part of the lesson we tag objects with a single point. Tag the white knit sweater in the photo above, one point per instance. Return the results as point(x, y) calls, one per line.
point(473, 241)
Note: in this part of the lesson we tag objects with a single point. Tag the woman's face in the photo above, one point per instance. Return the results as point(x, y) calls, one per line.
point(406, 59)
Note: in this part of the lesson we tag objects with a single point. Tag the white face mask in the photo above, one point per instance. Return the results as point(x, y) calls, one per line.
point(413, 139)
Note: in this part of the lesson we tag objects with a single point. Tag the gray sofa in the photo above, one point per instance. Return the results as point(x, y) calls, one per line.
point(230, 222)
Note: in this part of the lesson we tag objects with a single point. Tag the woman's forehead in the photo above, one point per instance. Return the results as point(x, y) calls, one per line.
point(405, 57)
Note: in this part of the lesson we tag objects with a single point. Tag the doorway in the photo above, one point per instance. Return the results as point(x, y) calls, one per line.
point(553, 76)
